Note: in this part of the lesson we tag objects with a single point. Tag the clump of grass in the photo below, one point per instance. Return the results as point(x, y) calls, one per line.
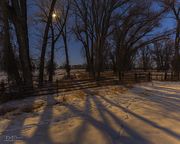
point(118, 89)
point(76, 95)
point(64, 100)
point(80, 95)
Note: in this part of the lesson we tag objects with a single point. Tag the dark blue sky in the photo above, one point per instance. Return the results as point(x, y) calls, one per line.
point(75, 48)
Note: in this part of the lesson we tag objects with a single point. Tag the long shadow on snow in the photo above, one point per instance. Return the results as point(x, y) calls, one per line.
point(166, 130)
point(113, 136)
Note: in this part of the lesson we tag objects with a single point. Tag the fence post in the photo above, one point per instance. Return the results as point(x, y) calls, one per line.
point(2, 87)
point(136, 79)
point(57, 86)
point(171, 76)
point(165, 76)
point(149, 76)
point(121, 76)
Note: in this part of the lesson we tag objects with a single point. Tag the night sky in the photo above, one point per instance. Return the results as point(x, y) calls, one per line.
point(75, 48)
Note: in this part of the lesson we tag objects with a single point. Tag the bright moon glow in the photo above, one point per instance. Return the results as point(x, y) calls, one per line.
point(54, 15)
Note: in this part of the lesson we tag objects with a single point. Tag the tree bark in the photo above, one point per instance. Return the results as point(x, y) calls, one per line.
point(64, 35)
point(9, 58)
point(19, 17)
point(177, 45)
point(51, 72)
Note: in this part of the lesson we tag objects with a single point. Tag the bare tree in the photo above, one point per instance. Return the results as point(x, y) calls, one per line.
point(145, 58)
point(45, 40)
point(63, 29)
point(8, 63)
point(134, 30)
point(162, 54)
point(56, 28)
point(174, 8)
point(92, 27)
point(18, 12)
point(84, 32)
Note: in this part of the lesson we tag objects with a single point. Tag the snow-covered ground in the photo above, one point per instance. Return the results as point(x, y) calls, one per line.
point(59, 74)
point(147, 113)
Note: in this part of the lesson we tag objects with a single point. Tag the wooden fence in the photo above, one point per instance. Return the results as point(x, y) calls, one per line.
point(55, 87)
point(149, 76)
point(70, 85)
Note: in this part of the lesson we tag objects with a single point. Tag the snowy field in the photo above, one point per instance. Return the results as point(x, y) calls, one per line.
point(146, 113)
point(59, 74)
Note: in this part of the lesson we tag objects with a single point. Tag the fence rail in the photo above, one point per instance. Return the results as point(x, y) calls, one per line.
point(56, 87)
point(70, 85)
point(148, 76)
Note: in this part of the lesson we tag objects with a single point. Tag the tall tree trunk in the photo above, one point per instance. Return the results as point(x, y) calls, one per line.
point(92, 57)
point(118, 62)
point(19, 17)
point(51, 72)
point(44, 44)
point(10, 64)
point(64, 35)
point(98, 58)
point(177, 45)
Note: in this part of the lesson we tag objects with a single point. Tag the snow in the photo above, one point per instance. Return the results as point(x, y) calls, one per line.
point(147, 113)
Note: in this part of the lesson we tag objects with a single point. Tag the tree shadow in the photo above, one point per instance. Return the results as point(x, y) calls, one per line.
point(111, 135)
point(41, 135)
point(104, 126)
point(14, 130)
point(167, 101)
point(167, 89)
point(149, 122)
